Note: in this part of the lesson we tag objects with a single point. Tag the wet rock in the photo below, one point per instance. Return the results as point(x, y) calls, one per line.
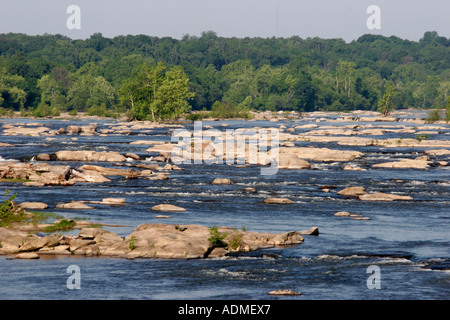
point(286, 238)
point(360, 218)
point(159, 176)
point(221, 181)
point(40, 173)
point(146, 241)
point(79, 243)
point(27, 255)
point(419, 163)
point(43, 157)
point(438, 152)
point(313, 231)
point(73, 129)
point(278, 201)
point(284, 292)
point(113, 201)
point(168, 208)
point(342, 214)
point(25, 131)
point(249, 190)
point(132, 156)
point(90, 176)
point(292, 161)
point(4, 144)
point(88, 155)
point(352, 191)
point(34, 205)
point(353, 168)
point(108, 171)
point(73, 205)
point(379, 196)
point(321, 154)
point(56, 250)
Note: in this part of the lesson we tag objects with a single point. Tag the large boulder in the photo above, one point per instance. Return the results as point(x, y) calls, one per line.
point(146, 241)
point(192, 241)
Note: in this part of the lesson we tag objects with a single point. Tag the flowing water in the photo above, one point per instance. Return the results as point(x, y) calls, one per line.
point(408, 241)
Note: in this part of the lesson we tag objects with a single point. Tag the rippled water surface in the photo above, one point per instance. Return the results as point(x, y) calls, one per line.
point(408, 241)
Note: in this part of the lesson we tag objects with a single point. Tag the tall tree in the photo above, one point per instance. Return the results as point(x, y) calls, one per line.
point(386, 103)
point(11, 95)
point(156, 92)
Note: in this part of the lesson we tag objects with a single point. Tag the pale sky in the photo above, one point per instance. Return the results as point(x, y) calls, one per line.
point(346, 19)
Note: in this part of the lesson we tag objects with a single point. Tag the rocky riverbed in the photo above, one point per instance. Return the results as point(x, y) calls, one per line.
point(300, 147)
point(160, 216)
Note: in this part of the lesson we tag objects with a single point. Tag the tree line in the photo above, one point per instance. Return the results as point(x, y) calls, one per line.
point(162, 78)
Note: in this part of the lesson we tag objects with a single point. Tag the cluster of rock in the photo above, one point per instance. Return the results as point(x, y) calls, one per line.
point(361, 194)
point(146, 241)
point(37, 129)
point(42, 174)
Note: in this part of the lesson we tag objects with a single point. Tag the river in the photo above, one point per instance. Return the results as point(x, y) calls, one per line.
point(406, 241)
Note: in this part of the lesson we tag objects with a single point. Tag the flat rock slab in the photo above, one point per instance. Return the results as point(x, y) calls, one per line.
point(88, 155)
point(27, 255)
point(34, 205)
point(352, 191)
point(283, 292)
point(278, 201)
point(168, 208)
point(379, 196)
point(165, 241)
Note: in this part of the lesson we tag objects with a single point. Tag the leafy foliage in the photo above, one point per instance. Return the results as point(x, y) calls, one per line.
point(10, 212)
point(161, 78)
point(217, 237)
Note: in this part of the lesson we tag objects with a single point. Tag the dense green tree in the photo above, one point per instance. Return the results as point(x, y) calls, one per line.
point(156, 92)
point(258, 73)
point(11, 95)
point(87, 90)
